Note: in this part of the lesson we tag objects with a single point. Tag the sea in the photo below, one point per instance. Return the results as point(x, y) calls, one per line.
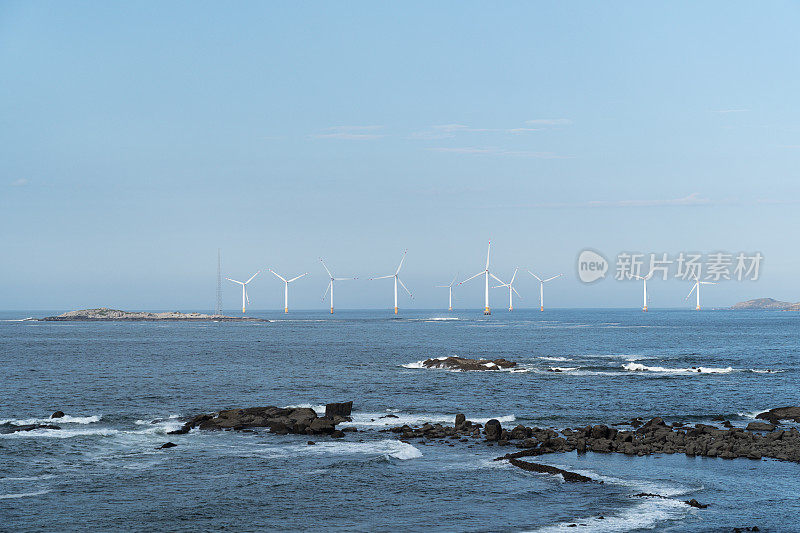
point(123, 386)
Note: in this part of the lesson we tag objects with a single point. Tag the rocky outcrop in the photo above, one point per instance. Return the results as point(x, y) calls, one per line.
point(774, 416)
point(760, 426)
point(166, 446)
point(571, 477)
point(13, 428)
point(652, 437)
point(769, 304)
point(339, 409)
point(57, 414)
point(279, 420)
point(465, 364)
point(104, 313)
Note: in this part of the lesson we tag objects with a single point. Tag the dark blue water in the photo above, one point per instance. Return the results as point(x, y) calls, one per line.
point(123, 385)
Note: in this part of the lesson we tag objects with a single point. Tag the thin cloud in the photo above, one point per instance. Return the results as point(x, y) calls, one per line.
point(693, 199)
point(19, 183)
point(494, 151)
point(447, 131)
point(724, 111)
point(357, 133)
point(549, 121)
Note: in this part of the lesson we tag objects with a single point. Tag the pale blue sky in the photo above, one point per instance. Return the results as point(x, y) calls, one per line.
point(136, 139)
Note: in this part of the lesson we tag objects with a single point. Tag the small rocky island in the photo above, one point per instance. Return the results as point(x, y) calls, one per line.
point(465, 364)
point(767, 304)
point(104, 313)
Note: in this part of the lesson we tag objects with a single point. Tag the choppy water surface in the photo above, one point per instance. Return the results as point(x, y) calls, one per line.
point(123, 385)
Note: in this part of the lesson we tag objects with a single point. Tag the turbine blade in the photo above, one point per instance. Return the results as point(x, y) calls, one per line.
point(406, 288)
point(551, 279)
point(383, 277)
point(454, 280)
point(535, 276)
point(515, 292)
point(251, 277)
point(401, 262)
point(296, 277)
point(691, 291)
point(707, 282)
point(233, 280)
point(279, 276)
point(326, 268)
point(326, 290)
point(514, 276)
point(498, 279)
point(343, 279)
point(472, 277)
point(488, 249)
point(498, 286)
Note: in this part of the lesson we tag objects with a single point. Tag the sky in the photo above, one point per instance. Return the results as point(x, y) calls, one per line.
point(138, 139)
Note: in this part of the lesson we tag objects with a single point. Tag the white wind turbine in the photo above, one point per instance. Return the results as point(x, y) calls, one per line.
point(330, 283)
point(485, 272)
point(286, 283)
point(696, 285)
point(511, 290)
point(397, 280)
point(245, 297)
point(450, 291)
point(541, 287)
point(644, 280)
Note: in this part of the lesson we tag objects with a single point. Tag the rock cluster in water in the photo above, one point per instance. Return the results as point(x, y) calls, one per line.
point(279, 420)
point(464, 364)
point(104, 313)
point(654, 436)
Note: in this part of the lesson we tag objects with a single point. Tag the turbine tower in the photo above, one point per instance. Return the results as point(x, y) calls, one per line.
point(330, 283)
point(644, 280)
point(485, 272)
point(696, 285)
point(286, 283)
point(541, 287)
point(218, 308)
point(245, 297)
point(450, 291)
point(511, 290)
point(397, 280)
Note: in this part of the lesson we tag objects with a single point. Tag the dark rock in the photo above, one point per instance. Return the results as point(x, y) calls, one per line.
point(349, 429)
point(10, 428)
point(321, 425)
point(571, 477)
point(781, 413)
point(493, 429)
point(280, 420)
point(718, 418)
point(760, 426)
point(695, 503)
point(390, 416)
point(338, 409)
point(311, 443)
point(465, 364)
point(166, 445)
point(460, 420)
point(337, 434)
point(57, 414)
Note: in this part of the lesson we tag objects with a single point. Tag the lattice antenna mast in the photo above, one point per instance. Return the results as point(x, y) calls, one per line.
point(218, 308)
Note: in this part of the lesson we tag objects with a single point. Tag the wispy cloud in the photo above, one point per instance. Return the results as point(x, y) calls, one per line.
point(725, 111)
point(447, 131)
point(549, 121)
point(693, 199)
point(19, 183)
point(495, 151)
point(353, 133)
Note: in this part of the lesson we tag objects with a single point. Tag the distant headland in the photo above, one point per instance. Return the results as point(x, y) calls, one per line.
point(769, 304)
point(106, 314)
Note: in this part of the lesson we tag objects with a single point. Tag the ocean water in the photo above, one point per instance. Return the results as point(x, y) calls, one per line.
point(124, 385)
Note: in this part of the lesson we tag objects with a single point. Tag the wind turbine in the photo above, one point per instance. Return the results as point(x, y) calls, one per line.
point(696, 285)
point(511, 290)
point(486, 273)
point(450, 290)
point(244, 289)
point(330, 284)
point(541, 287)
point(286, 283)
point(397, 280)
point(644, 279)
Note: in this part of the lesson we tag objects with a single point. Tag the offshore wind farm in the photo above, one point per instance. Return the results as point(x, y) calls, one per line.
point(509, 267)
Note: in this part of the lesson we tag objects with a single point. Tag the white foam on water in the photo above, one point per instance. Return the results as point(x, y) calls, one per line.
point(28, 478)
point(61, 433)
point(494, 368)
point(66, 419)
point(555, 359)
point(156, 420)
point(22, 494)
point(563, 368)
point(441, 319)
point(386, 447)
point(18, 319)
point(319, 409)
point(637, 367)
point(645, 515)
point(765, 371)
point(367, 420)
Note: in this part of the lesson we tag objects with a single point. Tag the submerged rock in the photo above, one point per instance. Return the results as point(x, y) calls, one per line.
point(465, 364)
point(57, 414)
point(167, 445)
point(571, 477)
point(11, 428)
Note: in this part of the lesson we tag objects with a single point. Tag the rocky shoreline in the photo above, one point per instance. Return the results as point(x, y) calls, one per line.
point(465, 364)
point(106, 314)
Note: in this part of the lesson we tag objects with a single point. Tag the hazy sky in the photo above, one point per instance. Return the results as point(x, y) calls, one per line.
point(136, 139)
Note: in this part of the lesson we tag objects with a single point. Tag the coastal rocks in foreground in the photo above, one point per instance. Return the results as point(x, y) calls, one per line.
point(104, 313)
point(279, 420)
point(774, 416)
point(465, 364)
point(652, 437)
